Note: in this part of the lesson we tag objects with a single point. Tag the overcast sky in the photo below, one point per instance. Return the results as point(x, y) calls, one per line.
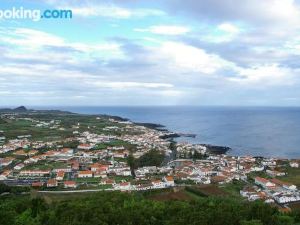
point(166, 52)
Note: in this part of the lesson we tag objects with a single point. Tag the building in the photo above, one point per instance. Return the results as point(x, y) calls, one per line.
point(158, 184)
point(219, 179)
point(6, 161)
point(52, 183)
point(275, 173)
point(264, 182)
point(85, 146)
point(35, 173)
point(294, 164)
point(285, 198)
point(107, 181)
point(125, 186)
point(19, 166)
point(60, 175)
point(70, 184)
point(5, 174)
point(37, 184)
point(75, 165)
point(85, 174)
point(284, 185)
point(99, 167)
point(169, 181)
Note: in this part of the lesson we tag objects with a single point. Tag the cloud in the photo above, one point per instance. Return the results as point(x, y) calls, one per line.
point(175, 69)
point(165, 30)
point(189, 58)
point(228, 28)
point(57, 47)
point(57, 69)
point(125, 85)
point(268, 22)
point(266, 75)
point(250, 11)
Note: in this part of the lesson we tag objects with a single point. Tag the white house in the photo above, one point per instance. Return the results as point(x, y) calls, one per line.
point(52, 183)
point(284, 198)
point(285, 185)
point(35, 173)
point(125, 186)
point(70, 184)
point(294, 164)
point(84, 174)
point(257, 168)
point(19, 166)
point(275, 173)
point(169, 181)
point(5, 174)
point(60, 175)
point(264, 182)
point(158, 184)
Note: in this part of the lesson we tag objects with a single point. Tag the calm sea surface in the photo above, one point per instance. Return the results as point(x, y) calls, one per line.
point(247, 130)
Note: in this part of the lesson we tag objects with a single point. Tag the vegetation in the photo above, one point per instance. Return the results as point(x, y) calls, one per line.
point(14, 190)
point(151, 158)
point(2, 121)
point(115, 143)
point(233, 188)
point(45, 165)
point(132, 164)
point(18, 126)
point(135, 209)
point(207, 190)
point(292, 175)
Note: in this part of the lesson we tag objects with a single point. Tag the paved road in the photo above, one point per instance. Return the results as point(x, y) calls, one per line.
point(76, 191)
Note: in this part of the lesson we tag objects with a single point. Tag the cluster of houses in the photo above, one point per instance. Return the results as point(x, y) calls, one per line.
point(27, 160)
point(91, 166)
point(271, 190)
point(100, 174)
point(217, 169)
point(221, 169)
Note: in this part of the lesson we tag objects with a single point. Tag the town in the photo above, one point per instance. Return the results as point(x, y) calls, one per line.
point(59, 152)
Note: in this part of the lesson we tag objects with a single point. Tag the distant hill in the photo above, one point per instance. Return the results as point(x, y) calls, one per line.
point(20, 109)
point(24, 110)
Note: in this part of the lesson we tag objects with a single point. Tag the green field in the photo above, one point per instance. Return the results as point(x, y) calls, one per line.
point(45, 165)
point(88, 180)
point(16, 127)
point(293, 176)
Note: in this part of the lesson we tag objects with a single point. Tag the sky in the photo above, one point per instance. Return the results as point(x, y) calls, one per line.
point(141, 52)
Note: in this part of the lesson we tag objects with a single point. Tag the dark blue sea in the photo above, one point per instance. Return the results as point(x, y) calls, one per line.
point(257, 131)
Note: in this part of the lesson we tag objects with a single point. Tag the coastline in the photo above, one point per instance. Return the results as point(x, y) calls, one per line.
point(259, 131)
point(221, 149)
point(102, 157)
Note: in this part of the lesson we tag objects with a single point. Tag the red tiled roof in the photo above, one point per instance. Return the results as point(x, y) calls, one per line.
point(262, 180)
point(85, 172)
point(69, 182)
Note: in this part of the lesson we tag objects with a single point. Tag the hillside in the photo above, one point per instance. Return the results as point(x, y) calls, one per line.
point(2, 121)
point(136, 209)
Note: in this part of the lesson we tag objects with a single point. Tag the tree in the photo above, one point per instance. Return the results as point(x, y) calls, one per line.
point(151, 158)
point(132, 164)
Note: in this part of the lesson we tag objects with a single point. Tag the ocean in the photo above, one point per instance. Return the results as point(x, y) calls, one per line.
point(256, 131)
